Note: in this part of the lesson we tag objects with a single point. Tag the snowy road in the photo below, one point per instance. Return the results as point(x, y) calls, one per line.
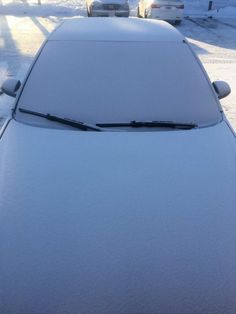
point(213, 40)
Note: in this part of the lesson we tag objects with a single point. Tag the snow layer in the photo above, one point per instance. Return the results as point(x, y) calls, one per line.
point(219, 8)
point(47, 8)
point(122, 219)
point(212, 39)
point(77, 7)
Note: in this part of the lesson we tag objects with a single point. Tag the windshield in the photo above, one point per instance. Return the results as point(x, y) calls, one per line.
point(98, 82)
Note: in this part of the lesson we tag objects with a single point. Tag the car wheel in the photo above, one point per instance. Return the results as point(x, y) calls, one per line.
point(138, 13)
point(88, 13)
point(177, 22)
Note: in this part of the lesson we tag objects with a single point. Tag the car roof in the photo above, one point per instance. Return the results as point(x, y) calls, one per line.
point(116, 29)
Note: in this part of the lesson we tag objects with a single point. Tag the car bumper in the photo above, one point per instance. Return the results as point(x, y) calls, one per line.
point(166, 14)
point(109, 13)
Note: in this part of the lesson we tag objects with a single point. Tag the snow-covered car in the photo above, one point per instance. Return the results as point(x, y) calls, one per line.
point(119, 8)
point(168, 10)
point(117, 177)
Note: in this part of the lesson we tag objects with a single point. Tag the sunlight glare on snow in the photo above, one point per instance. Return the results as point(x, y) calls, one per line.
point(19, 32)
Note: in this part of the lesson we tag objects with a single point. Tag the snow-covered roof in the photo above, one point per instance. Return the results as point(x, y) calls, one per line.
point(116, 29)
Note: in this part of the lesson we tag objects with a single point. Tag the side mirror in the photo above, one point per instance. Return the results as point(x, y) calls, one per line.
point(222, 89)
point(10, 87)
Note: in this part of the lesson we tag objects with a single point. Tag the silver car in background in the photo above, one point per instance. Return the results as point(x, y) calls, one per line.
point(168, 10)
point(119, 8)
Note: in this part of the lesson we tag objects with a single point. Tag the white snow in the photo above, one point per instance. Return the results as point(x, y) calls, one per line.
point(96, 220)
point(25, 24)
point(229, 12)
point(77, 7)
point(47, 8)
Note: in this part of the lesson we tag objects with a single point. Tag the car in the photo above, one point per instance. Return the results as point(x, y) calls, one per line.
point(168, 10)
point(108, 8)
point(118, 176)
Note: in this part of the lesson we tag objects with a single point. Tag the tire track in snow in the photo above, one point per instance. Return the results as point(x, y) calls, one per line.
point(205, 26)
point(217, 41)
point(226, 24)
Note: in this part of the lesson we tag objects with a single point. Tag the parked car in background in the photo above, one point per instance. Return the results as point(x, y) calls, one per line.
point(168, 10)
point(119, 8)
point(117, 177)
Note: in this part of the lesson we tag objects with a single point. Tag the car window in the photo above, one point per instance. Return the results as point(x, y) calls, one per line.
point(99, 82)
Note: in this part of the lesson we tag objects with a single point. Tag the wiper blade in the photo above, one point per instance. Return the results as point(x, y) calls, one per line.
point(150, 124)
point(75, 124)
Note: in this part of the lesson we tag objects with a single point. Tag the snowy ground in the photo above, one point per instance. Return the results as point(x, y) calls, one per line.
point(226, 8)
point(214, 41)
point(23, 29)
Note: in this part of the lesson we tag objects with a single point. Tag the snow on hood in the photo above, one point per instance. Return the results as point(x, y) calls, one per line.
point(117, 222)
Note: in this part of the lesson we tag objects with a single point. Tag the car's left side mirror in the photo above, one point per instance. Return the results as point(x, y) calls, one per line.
point(222, 89)
point(10, 87)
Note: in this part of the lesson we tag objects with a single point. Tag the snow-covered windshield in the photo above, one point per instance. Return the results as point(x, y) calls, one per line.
point(99, 82)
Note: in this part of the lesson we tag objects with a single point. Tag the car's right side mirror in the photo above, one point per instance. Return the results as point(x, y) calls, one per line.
point(10, 87)
point(222, 89)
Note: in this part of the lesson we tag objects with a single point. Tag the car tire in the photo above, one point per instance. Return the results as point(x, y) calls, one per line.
point(177, 22)
point(138, 13)
point(88, 13)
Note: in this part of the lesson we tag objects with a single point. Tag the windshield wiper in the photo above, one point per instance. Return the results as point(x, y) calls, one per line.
point(150, 124)
point(66, 121)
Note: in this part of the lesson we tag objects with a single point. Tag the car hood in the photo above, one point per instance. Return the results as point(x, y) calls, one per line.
point(117, 222)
